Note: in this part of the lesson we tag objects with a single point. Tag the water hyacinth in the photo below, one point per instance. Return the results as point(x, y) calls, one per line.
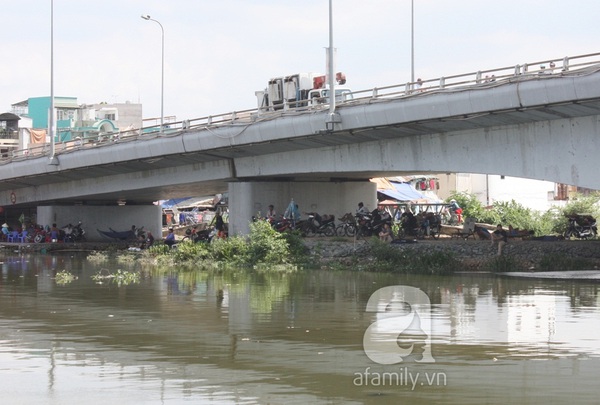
point(64, 277)
point(121, 277)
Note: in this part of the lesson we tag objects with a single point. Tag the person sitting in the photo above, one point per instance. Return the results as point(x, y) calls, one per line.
point(361, 210)
point(147, 241)
point(170, 240)
point(518, 233)
point(409, 223)
point(385, 235)
point(271, 214)
point(68, 230)
point(455, 209)
point(501, 236)
point(5, 231)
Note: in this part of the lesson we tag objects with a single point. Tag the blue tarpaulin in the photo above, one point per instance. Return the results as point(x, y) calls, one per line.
point(403, 192)
point(174, 201)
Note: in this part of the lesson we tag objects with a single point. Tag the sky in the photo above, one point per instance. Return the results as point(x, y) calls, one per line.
point(219, 52)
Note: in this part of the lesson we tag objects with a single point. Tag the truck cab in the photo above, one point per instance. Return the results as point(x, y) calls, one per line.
point(300, 90)
point(321, 96)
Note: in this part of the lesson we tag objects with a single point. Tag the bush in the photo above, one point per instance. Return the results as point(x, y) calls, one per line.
point(520, 217)
point(266, 244)
point(578, 205)
point(298, 253)
point(263, 246)
point(191, 252)
point(233, 250)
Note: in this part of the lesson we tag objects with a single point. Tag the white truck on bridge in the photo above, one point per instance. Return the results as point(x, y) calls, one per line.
point(300, 90)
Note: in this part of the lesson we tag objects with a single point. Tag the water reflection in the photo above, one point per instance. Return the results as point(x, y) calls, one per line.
point(245, 337)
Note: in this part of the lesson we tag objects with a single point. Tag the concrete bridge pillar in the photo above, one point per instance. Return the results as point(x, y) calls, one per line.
point(247, 199)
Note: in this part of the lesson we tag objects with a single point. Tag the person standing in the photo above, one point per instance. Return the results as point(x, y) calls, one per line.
point(220, 225)
point(54, 233)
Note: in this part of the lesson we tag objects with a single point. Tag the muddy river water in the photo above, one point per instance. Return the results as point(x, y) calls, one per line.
point(309, 337)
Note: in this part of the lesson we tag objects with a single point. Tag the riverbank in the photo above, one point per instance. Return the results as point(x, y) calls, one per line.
point(473, 254)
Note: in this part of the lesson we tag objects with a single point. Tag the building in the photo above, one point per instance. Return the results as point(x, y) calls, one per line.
point(87, 122)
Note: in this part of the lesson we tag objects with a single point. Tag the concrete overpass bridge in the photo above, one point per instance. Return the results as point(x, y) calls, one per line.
point(516, 121)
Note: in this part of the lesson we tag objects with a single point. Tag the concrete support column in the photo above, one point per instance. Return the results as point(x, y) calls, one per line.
point(247, 199)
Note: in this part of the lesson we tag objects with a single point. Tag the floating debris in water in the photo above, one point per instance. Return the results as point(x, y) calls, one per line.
point(120, 277)
point(64, 277)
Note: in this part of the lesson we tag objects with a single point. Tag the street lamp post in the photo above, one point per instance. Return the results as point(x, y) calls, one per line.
point(331, 62)
point(412, 41)
point(51, 120)
point(333, 117)
point(162, 77)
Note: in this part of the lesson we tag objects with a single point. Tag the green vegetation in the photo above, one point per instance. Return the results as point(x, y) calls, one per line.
point(553, 221)
point(263, 248)
point(97, 257)
point(64, 277)
point(121, 277)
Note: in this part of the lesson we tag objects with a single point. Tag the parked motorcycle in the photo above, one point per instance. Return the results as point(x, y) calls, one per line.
point(347, 227)
point(39, 235)
point(430, 224)
point(581, 227)
point(74, 233)
point(318, 225)
point(371, 224)
point(194, 235)
point(281, 225)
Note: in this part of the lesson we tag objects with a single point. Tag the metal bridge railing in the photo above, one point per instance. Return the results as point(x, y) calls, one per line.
point(542, 68)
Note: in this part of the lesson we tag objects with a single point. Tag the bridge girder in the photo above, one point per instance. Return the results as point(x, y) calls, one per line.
point(537, 127)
